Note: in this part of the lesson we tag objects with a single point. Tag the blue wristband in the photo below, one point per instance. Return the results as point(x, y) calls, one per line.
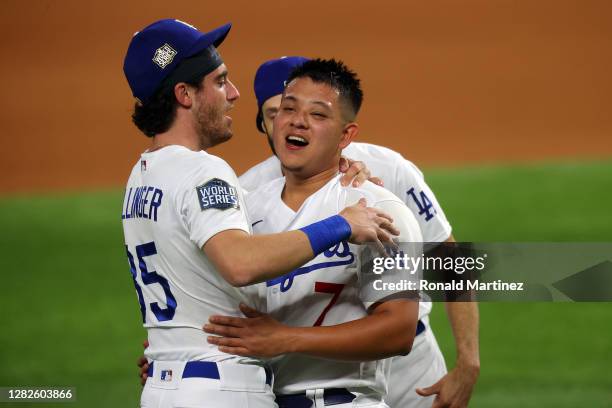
point(326, 233)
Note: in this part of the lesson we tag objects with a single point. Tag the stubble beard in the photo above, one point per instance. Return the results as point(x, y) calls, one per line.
point(211, 127)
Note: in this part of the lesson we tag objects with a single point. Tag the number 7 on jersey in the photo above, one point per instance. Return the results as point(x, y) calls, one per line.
point(331, 288)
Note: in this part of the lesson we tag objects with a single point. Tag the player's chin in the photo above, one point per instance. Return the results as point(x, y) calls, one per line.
point(221, 137)
point(290, 163)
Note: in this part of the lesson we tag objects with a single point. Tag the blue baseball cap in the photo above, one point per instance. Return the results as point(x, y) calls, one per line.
point(270, 80)
point(156, 51)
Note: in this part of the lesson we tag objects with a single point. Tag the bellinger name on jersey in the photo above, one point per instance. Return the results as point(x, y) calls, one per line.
point(142, 202)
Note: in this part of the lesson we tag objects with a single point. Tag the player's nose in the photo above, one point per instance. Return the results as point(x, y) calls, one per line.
point(232, 91)
point(298, 120)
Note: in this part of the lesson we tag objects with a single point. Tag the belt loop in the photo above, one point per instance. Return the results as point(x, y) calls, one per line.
point(319, 395)
point(269, 376)
point(310, 394)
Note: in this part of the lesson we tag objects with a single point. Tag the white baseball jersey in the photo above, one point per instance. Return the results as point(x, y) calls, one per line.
point(175, 200)
point(329, 289)
point(400, 176)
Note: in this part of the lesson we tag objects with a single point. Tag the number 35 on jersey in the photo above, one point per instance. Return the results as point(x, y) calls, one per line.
point(162, 309)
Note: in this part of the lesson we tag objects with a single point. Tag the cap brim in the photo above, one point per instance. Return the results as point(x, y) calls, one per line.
point(214, 37)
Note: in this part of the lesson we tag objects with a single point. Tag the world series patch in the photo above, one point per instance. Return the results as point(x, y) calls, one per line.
point(164, 55)
point(218, 194)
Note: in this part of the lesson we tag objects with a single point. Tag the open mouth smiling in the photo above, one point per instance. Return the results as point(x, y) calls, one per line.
point(296, 141)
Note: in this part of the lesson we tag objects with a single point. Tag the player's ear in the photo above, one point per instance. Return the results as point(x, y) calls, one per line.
point(184, 94)
point(349, 133)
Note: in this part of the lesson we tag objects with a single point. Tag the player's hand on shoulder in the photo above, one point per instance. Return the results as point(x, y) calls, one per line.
point(256, 335)
point(356, 173)
point(369, 225)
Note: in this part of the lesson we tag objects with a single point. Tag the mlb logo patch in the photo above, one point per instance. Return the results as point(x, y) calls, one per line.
point(164, 55)
point(218, 194)
point(143, 165)
point(166, 375)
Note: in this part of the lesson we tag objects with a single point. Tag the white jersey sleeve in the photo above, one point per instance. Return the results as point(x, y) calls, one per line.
point(421, 200)
point(406, 181)
point(211, 202)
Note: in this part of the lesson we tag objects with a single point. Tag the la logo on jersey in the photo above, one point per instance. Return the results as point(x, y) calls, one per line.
point(218, 194)
point(341, 252)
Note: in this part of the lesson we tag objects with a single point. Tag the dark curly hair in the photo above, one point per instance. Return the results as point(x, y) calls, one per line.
point(335, 74)
point(157, 114)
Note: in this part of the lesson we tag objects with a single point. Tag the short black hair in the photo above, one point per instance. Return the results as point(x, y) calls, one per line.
point(335, 74)
point(157, 114)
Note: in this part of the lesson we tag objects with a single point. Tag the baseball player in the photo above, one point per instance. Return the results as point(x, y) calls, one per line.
point(424, 368)
point(187, 237)
point(325, 308)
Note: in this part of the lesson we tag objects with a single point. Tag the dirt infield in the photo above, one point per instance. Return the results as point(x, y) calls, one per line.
point(445, 83)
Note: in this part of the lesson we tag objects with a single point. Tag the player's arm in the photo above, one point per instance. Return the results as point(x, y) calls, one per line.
point(456, 386)
point(244, 259)
point(464, 320)
point(388, 330)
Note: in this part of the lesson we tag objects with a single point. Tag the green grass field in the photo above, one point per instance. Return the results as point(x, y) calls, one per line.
point(71, 316)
